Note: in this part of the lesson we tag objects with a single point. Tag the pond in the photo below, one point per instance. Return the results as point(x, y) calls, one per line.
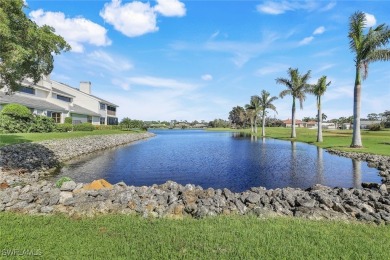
point(220, 160)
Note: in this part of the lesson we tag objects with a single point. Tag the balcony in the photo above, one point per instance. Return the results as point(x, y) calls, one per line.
point(111, 113)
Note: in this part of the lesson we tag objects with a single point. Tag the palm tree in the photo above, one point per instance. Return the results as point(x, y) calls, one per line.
point(318, 90)
point(297, 86)
point(251, 115)
point(266, 103)
point(254, 107)
point(367, 49)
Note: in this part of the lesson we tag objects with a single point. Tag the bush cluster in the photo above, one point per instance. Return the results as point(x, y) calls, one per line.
point(374, 127)
point(15, 118)
point(83, 127)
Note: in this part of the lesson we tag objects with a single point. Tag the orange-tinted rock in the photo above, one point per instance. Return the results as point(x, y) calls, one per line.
point(4, 185)
point(97, 185)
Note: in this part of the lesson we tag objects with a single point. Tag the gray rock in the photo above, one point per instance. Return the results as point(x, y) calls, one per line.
point(253, 198)
point(65, 195)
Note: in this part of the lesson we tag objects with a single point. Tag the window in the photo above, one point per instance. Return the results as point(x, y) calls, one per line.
point(56, 116)
point(111, 108)
point(102, 121)
point(102, 106)
point(27, 90)
point(63, 98)
point(112, 121)
point(89, 119)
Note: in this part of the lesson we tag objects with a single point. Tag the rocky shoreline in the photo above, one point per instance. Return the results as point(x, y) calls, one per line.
point(22, 190)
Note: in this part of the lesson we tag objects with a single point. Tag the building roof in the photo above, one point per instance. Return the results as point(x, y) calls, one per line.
point(83, 111)
point(29, 101)
point(98, 98)
point(289, 121)
point(55, 90)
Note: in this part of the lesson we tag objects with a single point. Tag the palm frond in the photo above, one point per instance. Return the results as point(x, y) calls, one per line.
point(284, 93)
point(379, 55)
point(284, 82)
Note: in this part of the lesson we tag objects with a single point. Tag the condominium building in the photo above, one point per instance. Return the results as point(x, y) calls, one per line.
point(58, 101)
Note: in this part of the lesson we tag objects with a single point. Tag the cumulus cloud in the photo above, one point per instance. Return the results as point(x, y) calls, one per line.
point(76, 31)
point(370, 20)
point(306, 40)
point(170, 8)
point(207, 77)
point(137, 18)
point(319, 30)
point(132, 19)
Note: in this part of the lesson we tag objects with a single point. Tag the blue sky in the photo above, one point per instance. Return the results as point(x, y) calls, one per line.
point(195, 60)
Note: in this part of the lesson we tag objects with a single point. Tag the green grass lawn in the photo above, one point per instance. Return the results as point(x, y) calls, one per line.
point(125, 237)
point(6, 139)
point(375, 142)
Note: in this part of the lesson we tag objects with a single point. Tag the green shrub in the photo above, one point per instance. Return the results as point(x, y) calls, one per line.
point(68, 120)
point(17, 111)
point(62, 180)
point(107, 127)
point(42, 124)
point(64, 127)
point(374, 127)
point(129, 123)
point(9, 124)
point(83, 127)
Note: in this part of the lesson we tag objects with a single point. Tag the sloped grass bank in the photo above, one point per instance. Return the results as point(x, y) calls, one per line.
point(125, 237)
point(374, 142)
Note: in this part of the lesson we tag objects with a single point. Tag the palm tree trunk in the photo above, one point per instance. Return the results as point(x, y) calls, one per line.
point(356, 137)
point(256, 124)
point(319, 121)
point(263, 125)
point(293, 133)
point(252, 130)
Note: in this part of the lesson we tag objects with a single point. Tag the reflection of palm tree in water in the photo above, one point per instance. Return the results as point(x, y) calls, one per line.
point(357, 173)
point(253, 138)
point(320, 166)
point(294, 164)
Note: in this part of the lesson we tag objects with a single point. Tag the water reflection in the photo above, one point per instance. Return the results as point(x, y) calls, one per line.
point(357, 173)
point(320, 166)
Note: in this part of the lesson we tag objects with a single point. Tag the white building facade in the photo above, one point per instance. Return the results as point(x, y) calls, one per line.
point(58, 101)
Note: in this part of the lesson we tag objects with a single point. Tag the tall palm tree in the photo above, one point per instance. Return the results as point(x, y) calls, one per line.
point(255, 107)
point(367, 48)
point(251, 115)
point(266, 103)
point(297, 86)
point(318, 90)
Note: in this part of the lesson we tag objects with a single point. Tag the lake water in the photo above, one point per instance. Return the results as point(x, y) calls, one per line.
point(220, 160)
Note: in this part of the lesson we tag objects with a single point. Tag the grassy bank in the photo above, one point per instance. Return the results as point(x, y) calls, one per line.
point(119, 236)
point(375, 142)
point(6, 139)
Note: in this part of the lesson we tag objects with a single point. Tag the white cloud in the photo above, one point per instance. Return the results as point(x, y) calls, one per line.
point(214, 35)
point(137, 18)
point(319, 30)
point(108, 62)
point(328, 7)
point(161, 83)
point(306, 40)
point(275, 8)
point(132, 19)
point(170, 8)
point(370, 20)
point(76, 31)
point(122, 84)
point(271, 69)
point(207, 77)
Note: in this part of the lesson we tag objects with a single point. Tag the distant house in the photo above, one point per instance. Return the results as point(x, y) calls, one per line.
point(199, 126)
point(346, 126)
point(310, 124)
point(58, 101)
point(328, 125)
point(288, 123)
